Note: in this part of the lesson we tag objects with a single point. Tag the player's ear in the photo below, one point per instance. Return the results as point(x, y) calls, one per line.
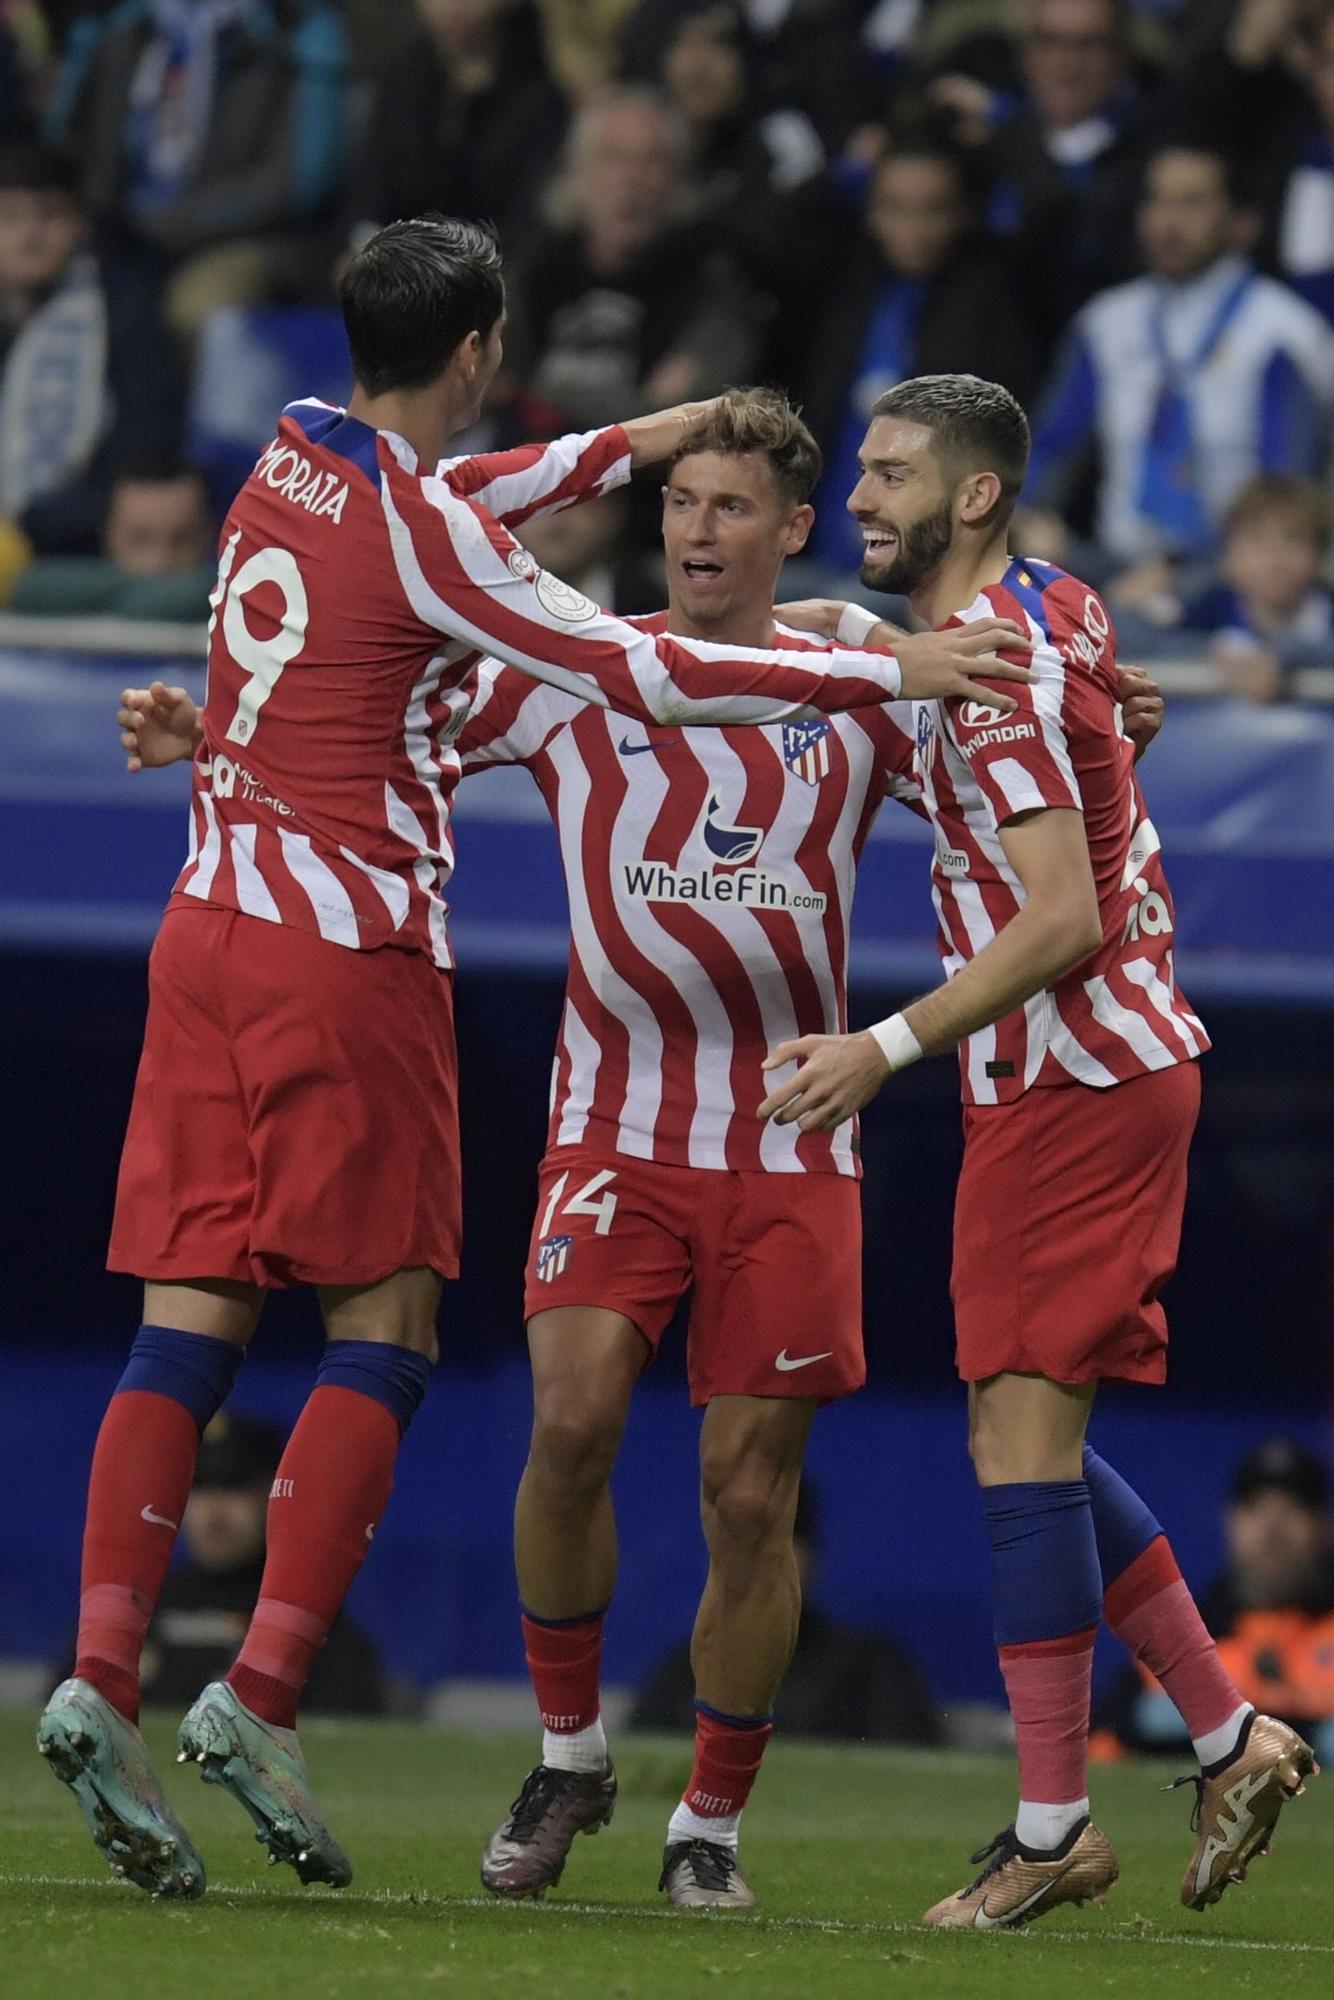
point(797, 532)
point(978, 498)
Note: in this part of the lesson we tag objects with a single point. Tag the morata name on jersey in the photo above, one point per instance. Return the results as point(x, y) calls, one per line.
point(293, 478)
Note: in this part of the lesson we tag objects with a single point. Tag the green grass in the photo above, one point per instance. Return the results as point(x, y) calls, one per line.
point(845, 1849)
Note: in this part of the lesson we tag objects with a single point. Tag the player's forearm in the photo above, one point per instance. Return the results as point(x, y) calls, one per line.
point(1036, 948)
point(531, 480)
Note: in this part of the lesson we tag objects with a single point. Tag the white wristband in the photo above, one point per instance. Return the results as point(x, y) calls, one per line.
point(898, 1044)
point(855, 622)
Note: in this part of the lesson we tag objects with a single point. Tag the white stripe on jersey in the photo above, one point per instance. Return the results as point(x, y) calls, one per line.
point(252, 891)
point(1132, 1028)
point(1074, 1058)
point(518, 491)
point(328, 899)
point(584, 1056)
point(404, 822)
point(392, 889)
point(1148, 977)
point(209, 854)
point(1021, 794)
point(644, 1074)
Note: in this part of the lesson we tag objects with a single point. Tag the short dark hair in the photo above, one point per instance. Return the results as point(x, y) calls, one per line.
point(973, 421)
point(413, 293)
point(1201, 146)
point(35, 169)
point(157, 466)
point(1297, 501)
point(765, 422)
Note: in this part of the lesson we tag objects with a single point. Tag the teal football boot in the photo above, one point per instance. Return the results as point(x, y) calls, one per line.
point(102, 1758)
point(263, 1769)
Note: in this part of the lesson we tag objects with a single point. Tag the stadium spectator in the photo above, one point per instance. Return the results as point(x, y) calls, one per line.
point(25, 58)
point(1268, 71)
point(1060, 148)
point(841, 1683)
point(804, 54)
point(87, 375)
point(923, 293)
point(583, 40)
point(623, 304)
point(756, 168)
point(1272, 1610)
point(217, 135)
point(1306, 214)
point(158, 556)
point(1189, 381)
point(466, 120)
point(206, 1600)
point(1268, 610)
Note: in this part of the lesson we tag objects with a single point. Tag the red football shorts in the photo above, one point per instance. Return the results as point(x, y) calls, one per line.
point(775, 1261)
point(1066, 1228)
point(295, 1115)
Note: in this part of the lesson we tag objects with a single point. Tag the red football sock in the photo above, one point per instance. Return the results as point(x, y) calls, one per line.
point(1152, 1612)
point(1048, 1683)
point(565, 1667)
point(332, 1487)
point(728, 1753)
point(142, 1469)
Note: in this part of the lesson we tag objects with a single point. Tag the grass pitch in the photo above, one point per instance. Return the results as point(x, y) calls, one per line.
point(845, 1848)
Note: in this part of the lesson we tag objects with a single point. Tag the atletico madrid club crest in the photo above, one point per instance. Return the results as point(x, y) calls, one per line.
point(553, 1254)
point(806, 750)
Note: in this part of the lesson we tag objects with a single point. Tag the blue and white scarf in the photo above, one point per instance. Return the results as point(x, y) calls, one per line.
point(54, 403)
point(172, 94)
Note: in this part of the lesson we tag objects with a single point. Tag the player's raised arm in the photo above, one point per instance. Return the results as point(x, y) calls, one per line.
point(534, 479)
point(466, 576)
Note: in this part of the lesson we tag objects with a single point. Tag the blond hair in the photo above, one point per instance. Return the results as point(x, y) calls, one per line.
point(762, 421)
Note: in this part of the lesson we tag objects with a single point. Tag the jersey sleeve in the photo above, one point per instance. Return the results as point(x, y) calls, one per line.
point(464, 575)
point(891, 730)
point(1022, 761)
point(501, 716)
point(516, 486)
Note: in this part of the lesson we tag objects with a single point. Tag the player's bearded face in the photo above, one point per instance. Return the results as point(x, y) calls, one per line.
point(900, 556)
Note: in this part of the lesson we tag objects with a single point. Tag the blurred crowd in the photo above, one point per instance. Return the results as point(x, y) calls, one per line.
point(1122, 209)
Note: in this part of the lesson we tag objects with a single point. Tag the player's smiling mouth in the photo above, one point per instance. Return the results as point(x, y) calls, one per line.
point(879, 541)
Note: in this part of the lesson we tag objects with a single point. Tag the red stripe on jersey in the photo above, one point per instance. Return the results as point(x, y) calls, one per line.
point(473, 475)
point(1117, 1014)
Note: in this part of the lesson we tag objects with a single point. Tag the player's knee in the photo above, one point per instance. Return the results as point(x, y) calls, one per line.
point(745, 1509)
point(575, 1441)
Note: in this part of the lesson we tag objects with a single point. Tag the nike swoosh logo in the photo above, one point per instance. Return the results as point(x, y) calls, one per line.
point(629, 749)
point(984, 1922)
point(158, 1520)
point(785, 1364)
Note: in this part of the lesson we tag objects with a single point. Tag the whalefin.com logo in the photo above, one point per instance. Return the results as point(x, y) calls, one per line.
point(729, 878)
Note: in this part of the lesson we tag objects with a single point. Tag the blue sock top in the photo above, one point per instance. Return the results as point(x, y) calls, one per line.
point(394, 1376)
point(194, 1369)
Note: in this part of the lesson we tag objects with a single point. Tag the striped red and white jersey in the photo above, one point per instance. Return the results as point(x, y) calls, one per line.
point(354, 591)
point(710, 875)
point(1119, 1013)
